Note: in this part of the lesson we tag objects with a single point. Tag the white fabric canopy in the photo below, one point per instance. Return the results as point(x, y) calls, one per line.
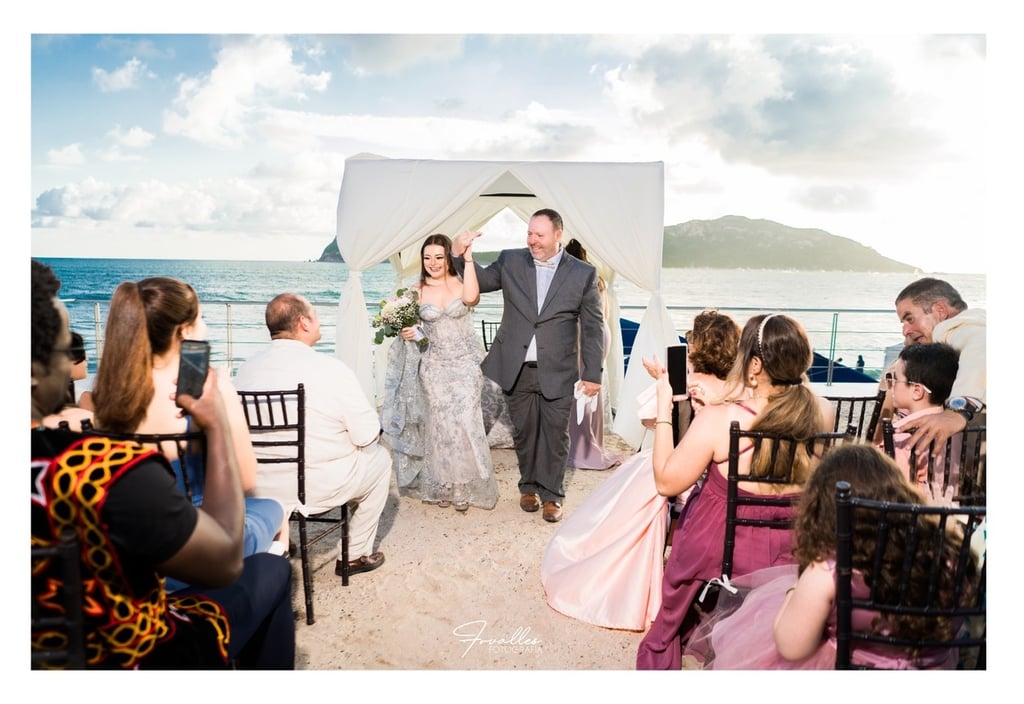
point(387, 207)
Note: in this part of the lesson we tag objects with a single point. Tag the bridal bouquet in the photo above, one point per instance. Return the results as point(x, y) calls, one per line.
point(396, 312)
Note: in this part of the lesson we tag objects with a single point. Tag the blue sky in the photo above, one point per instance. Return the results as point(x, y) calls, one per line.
point(233, 145)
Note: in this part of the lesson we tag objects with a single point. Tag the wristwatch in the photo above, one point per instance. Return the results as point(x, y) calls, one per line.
point(965, 406)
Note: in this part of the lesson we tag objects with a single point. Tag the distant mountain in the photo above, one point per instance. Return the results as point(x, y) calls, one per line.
point(736, 242)
point(331, 253)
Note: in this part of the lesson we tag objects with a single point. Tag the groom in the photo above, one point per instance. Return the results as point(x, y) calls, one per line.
point(552, 308)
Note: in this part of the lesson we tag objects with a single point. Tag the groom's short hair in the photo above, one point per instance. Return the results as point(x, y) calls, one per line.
point(551, 215)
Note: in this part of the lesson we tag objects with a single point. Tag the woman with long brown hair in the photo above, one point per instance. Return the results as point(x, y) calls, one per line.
point(770, 370)
point(136, 382)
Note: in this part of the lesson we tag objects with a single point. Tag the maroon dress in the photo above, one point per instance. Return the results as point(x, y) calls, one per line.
point(696, 556)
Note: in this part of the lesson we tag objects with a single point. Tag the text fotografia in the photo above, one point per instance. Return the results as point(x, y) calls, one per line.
point(519, 643)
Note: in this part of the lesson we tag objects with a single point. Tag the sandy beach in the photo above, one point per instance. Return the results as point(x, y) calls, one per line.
point(457, 592)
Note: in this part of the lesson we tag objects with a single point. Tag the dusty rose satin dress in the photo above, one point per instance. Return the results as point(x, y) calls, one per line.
point(604, 564)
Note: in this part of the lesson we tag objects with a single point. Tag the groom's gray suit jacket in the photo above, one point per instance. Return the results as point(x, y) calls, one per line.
point(569, 326)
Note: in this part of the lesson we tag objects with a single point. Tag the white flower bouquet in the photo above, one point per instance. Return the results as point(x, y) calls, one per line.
point(396, 312)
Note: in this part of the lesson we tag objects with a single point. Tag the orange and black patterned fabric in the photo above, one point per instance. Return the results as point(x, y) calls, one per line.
point(93, 485)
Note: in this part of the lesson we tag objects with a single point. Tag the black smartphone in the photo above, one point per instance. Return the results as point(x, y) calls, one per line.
point(675, 363)
point(193, 368)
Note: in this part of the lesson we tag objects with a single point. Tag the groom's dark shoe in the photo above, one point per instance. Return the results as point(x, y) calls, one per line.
point(529, 502)
point(552, 511)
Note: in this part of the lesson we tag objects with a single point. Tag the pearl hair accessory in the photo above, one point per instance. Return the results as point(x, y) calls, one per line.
point(760, 332)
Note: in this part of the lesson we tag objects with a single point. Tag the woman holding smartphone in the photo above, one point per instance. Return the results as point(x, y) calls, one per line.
point(136, 384)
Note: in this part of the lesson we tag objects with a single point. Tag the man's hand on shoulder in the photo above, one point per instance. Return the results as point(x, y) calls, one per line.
point(937, 428)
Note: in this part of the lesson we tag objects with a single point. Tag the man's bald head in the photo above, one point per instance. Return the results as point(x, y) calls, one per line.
point(290, 316)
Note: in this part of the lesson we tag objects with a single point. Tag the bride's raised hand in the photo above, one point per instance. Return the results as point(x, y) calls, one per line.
point(463, 242)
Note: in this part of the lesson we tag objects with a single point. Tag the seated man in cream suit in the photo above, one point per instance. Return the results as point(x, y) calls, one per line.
point(344, 461)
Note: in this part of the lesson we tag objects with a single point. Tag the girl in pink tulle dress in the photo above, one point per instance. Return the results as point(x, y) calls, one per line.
point(787, 618)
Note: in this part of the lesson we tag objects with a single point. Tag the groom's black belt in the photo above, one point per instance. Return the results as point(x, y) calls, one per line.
point(530, 364)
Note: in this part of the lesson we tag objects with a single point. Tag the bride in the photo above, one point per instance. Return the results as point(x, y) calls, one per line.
point(457, 469)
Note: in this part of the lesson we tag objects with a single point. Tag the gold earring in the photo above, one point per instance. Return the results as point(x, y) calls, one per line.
point(752, 382)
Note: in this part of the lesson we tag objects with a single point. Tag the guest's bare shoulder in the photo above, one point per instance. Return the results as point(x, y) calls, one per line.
point(828, 414)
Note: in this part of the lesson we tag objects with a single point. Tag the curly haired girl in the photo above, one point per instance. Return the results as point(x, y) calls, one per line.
point(782, 625)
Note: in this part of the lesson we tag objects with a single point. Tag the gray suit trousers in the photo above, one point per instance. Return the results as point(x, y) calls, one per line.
point(541, 429)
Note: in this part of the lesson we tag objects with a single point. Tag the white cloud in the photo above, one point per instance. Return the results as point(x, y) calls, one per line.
point(633, 97)
point(390, 53)
point(125, 78)
point(114, 154)
point(71, 155)
point(298, 196)
point(249, 76)
point(133, 138)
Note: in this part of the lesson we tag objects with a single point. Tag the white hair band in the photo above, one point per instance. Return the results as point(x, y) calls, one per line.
point(760, 333)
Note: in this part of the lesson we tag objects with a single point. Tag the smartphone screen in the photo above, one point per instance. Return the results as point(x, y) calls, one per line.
point(675, 363)
point(192, 370)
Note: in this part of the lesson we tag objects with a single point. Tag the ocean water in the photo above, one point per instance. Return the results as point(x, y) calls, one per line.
point(846, 314)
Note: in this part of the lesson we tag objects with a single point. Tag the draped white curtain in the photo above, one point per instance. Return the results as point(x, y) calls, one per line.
point(388, 206)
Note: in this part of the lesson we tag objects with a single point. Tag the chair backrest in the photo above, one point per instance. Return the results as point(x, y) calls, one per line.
point(960, 466)
point(906, 537)
point(277, 419)
point(187, 446)
point(488, 329)
point(58, 639)
point(783, 450)
point(859, 412)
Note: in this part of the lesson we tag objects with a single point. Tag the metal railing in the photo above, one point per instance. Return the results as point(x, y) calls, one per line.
point(237, 329)
point(841, 335)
